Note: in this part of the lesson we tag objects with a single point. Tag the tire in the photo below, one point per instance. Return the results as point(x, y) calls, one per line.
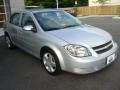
point(50, 62)
point(9, 42)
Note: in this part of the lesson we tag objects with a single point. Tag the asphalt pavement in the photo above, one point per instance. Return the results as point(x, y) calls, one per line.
point(21, 71)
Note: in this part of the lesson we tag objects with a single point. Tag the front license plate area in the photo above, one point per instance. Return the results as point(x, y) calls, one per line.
point(110, 58)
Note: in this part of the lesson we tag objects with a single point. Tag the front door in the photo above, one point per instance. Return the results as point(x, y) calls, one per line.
point(29, 40)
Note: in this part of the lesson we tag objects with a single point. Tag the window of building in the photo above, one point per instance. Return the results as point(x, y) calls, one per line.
point(2, 12)
point(1, 2)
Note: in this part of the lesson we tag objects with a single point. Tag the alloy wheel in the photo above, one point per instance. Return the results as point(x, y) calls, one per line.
point(8, 42)
point(49, 62)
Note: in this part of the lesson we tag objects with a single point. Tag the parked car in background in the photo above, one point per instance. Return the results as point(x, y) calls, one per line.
point(61, 41)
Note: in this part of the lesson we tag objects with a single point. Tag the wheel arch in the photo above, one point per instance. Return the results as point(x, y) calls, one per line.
point(6, 33)
point(56, 51)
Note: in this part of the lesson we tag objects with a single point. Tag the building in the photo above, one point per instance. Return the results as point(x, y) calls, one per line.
point(7, 7)
point(109, 2)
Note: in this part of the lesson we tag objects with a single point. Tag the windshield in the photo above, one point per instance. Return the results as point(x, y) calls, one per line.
point(54, 20)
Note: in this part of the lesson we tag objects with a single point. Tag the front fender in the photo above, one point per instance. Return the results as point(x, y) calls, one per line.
point(58, 52)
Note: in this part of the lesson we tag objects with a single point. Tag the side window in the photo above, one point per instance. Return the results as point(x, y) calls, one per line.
point(15, 19)
point(27, 20)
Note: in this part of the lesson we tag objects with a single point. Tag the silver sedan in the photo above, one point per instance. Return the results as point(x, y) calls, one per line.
point(61, 41)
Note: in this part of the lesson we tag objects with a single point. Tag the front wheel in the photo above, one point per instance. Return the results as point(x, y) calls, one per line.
point(51, 62)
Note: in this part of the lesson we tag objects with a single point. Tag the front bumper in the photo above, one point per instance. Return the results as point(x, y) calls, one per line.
point(90, 64)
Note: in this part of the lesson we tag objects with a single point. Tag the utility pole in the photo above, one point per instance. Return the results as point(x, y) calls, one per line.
point(57, 3)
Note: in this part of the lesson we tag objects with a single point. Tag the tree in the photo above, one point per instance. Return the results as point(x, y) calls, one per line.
point(82, 2)
point(28, 2)
point(102, 2)
point(52, 3)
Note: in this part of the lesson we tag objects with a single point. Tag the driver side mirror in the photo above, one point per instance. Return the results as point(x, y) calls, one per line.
point(29, 28)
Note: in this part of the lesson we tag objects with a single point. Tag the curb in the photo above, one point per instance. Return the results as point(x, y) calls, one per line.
point(116, 17)
point(1, 32)
point(80, 17)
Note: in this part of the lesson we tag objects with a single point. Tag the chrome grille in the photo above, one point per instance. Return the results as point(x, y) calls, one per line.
point(103, 48)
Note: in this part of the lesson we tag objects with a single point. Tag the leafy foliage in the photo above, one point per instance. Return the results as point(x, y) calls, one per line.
point(102, 2)
point(52, 3)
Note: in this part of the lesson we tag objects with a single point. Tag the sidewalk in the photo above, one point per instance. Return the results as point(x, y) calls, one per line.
point(116, 17)
point(113, 16)
point(1, 32)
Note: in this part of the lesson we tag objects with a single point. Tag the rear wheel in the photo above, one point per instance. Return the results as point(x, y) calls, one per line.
point(51, 62)
point(8, 42)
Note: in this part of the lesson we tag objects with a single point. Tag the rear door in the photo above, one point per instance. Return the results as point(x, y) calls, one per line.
point(13, 27)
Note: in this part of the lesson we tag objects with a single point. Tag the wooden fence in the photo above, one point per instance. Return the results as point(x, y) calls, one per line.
point(98, 10)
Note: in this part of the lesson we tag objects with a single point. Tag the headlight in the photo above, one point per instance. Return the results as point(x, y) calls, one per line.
point(77, 51)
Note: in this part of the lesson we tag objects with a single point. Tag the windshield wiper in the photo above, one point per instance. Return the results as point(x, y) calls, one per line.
point(50, 29)
point(71, 26)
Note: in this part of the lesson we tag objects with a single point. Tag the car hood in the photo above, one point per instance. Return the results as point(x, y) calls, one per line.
point(83, 35)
